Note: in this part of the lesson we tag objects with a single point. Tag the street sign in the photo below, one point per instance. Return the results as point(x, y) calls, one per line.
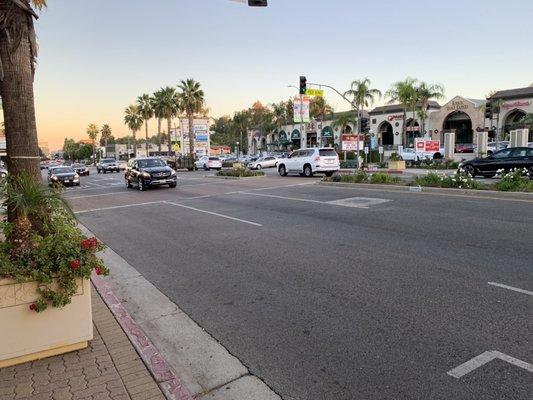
point(366, 149)
point(380, 149)
point(315, 92)
point(400, 150)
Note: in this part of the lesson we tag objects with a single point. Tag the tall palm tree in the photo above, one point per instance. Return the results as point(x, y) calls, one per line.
point(144, 102)
point(363, 96)
point(170, 108)
point(134, 121)
point(426, 92)
point(344, 120)
point(157, 106)
point(403, 92)
point(18, 52)
point(279, 111)
point(192, 101)
point(92, 132)
point(105, 135)
point(241, 124)
point(319, 108)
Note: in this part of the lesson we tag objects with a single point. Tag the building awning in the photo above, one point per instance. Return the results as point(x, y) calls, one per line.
point(296, 135)
point(327, 132)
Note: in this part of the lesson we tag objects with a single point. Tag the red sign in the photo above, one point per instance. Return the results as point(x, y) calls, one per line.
point(427, 146)
point(395, 117)
point(517, 103)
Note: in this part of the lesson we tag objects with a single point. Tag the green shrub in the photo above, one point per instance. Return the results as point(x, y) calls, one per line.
point(348, 164)
point(395, 157)
point(383, 178)
point(357, 177)
point(239, 172)
point(516, 180)
point(457, 181)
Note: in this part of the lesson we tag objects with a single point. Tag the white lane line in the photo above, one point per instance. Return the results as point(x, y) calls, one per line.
point(214, 213)
point(283, 197)
point(95, 184)
point(501, 285)
point(116, 207)
point(353, 202)
point(92, 195)
point(483, 359)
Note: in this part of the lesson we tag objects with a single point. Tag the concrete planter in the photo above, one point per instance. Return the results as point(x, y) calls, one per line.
point(397, 165)
point(26, 335)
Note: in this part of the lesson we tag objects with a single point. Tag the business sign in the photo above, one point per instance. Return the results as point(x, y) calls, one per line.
point(516, 104)
point(301, 109)
point(349, 142)
point(200, 131)
point(427, 146)
point(315, 92)
point(395, 117)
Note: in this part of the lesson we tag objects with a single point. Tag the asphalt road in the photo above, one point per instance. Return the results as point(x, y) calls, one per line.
point(336, 293)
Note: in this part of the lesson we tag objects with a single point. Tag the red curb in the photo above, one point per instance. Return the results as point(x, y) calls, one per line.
point(154, 361)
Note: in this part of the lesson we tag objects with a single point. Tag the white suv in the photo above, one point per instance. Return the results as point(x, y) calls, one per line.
point(309, 161)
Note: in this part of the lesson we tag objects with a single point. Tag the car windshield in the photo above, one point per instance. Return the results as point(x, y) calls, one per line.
point(214, 159)
point(78, 166)
point(149, 163)
point(63, 170)
point(108, 161)
point(327, 152)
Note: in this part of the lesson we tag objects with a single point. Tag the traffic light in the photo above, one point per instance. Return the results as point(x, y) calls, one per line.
point(257, 3)
point(303, 84)
point(488, 109)
point(364, 125)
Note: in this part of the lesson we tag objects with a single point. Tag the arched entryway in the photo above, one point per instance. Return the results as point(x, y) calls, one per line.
point(512, 119)
point(461, 123)
point(283, 141)
point(327, 136)
point(263, 144)
point(412, 127)
point(385, 134)
point(296, 139)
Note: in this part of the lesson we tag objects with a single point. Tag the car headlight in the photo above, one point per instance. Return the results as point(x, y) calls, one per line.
point(172, 172)
point(53, 177)
point(146, 175)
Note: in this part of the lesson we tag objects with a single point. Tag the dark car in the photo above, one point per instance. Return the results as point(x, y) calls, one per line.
point(149, 171)
point(65, 176)
point(81, 169)
point(506, 159)
point(464, 148)
point(107, 165)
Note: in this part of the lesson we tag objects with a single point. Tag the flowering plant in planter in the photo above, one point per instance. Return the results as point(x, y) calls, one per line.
point(43, 243)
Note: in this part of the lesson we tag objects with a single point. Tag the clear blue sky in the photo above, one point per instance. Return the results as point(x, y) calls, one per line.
point(97, 56)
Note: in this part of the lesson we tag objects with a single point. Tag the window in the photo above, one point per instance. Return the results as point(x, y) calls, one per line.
point(502, 154)
point(327, 153)
point(519, 153)
point(214, 158)
point(295, 154)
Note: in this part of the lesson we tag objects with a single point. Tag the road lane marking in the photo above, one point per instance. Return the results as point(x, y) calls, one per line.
point(214, 213)
point(95, 184)
point(501, 285)
point(353, 202)
point(116, 207)
point(483, 359)
point(92, 195)
point(283, 197)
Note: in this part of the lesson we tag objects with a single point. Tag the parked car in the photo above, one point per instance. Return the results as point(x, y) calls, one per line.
point(264, 162)
point(506, 159)
point(107, 165)
point(464, 148)
point(81, 169)
point(122, 165)
point(208, 163)
point(309, 161)
point(63, 175)
point(146, 172)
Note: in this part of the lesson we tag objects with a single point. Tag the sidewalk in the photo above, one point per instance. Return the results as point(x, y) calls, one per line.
point(109, 369)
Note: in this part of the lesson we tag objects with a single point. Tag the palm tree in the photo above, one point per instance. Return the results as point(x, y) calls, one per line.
point(157, 106)
point(105, 135)
point(18, 52)
point(344, 120)
point(403, 92)
point(134, 121)
point(144, 102)
point(426, 92)
point(363, 96)
point(192, 101)
point(279, 111)
point(170, 108)
point(319, 108)
point(241, 123)
point(92, 132)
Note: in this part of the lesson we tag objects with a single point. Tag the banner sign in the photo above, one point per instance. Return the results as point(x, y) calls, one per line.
point(301, 109)
point(427, 146)
point(349, 142)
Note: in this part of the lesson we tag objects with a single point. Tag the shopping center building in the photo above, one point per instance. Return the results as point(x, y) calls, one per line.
point(461, 115)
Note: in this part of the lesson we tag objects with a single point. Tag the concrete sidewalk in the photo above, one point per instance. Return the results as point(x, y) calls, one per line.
point(109, 369)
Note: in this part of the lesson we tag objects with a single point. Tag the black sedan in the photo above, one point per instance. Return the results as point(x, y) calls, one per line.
point(149, 171)
point(65, 176)
point(81, 169)
point(506, 159)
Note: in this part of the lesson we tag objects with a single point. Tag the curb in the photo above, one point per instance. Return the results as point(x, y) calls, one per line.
point(416, 189)
point(169, 383)
point(235, 178)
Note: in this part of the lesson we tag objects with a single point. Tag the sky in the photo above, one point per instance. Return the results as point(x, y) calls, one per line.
point(97, 56)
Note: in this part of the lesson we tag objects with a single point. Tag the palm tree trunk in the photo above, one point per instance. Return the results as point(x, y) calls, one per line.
point(134, 143)
point(159, 135)
point(146, 134)
point(191, 134)
point(16, 90)
point(169, 139)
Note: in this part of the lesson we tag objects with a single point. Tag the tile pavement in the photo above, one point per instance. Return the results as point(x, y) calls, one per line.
point(109, 369)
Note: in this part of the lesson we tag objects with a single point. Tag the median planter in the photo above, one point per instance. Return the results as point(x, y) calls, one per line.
point(27, 335)
point(396, 165)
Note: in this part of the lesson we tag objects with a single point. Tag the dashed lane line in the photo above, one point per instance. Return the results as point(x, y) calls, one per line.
point(117, 207)
point(515, 289)
point(214, 213)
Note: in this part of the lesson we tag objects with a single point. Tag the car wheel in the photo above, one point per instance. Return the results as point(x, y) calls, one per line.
point(205, 168)
point(140, 185)
point(530, 173)
point(128, 184)
point(172, 185)
point(98, 170)
point(329, 173)
point(308, 172)
point(469, 170)
point(282, 170)
point(259, 166)
point(104, 171)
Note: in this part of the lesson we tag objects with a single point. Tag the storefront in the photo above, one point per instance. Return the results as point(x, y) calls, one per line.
point(515, 104)
point(327, 137)
point(296, 139)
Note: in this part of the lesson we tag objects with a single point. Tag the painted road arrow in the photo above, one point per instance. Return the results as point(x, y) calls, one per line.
point(483, 359)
